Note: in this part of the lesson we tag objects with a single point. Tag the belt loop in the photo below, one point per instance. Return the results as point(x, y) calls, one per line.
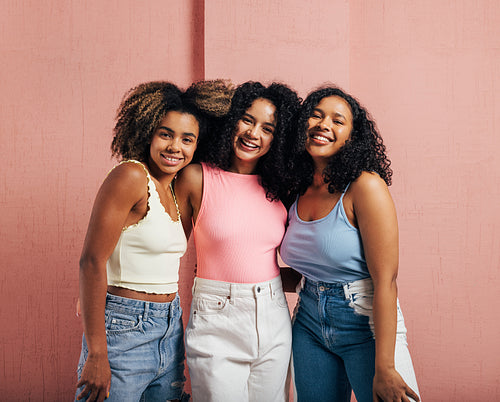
point(347, 292)
point(194, 286)
point(271, 290)
point(232, 293)
point(146, 311)
point(172, 306)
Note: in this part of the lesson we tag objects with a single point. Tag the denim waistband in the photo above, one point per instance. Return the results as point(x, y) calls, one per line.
point(233, 290)
point(133, 306)
point(345, 288)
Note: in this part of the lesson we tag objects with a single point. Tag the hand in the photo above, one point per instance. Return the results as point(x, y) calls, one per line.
point(96, 376)
point(388, 386)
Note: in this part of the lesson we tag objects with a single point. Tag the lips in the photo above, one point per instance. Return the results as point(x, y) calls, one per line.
point(319, 138)
point(171, 160)
point(245, 144)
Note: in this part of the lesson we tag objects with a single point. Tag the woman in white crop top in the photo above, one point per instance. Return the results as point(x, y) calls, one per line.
point(238, 340)
point(133, 337)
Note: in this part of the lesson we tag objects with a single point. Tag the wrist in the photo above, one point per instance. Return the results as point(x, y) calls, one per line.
point(384, 367)
point(98, 353)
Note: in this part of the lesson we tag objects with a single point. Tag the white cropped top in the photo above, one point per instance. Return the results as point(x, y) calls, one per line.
point(146, 257)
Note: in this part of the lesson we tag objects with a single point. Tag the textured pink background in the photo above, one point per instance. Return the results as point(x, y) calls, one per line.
point(427, 71)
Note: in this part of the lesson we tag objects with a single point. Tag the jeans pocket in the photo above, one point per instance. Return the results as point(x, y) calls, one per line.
point(209, 304)
point(117, 323)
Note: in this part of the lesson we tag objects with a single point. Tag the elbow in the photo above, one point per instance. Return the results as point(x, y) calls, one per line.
point(386, 283)
point(89, 262)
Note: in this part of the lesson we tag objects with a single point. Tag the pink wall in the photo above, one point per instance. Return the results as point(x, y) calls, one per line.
point(64, 67)
point(284, 40)
point(428, 72)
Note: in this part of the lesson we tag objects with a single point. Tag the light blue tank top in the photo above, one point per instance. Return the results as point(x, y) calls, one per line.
point(324, 250)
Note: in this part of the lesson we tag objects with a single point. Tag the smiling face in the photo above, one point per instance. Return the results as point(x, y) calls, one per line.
point(253, 135)
point(328, 128)
point(173, 143)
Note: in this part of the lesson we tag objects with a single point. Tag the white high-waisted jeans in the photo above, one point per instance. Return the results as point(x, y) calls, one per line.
point(238, 341)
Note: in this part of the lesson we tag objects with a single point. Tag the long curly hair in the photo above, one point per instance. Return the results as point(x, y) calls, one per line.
point(141, 111)
point(273, 167)
point(364, 151)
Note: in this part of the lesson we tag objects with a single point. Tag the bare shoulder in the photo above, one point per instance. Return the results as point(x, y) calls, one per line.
point(368, 184)
point(189, 179)
point(370, 195)
point(193, 171)
point(127, 178)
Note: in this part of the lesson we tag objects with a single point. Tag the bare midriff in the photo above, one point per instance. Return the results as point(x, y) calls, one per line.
point(134, 294)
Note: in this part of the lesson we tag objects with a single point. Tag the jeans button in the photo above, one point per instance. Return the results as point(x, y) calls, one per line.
point(322, 288)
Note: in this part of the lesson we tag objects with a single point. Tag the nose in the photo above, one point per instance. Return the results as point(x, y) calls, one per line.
point(252, 132)
point(174, 145)
point(325, 123)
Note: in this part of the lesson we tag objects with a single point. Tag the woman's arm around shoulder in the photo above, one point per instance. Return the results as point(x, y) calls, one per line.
point(188, 191)
point(376, 218)
point(121, 201)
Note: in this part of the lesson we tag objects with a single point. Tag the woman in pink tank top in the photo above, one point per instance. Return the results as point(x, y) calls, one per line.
point(238, 339)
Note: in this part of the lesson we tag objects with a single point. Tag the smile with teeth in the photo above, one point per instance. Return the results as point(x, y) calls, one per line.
point(320, 138)
point(248, 144)
point(171, 159)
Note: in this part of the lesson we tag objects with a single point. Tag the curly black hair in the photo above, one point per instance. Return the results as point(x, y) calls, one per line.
point(273, 167)
point(141, 111)
point(364, 151)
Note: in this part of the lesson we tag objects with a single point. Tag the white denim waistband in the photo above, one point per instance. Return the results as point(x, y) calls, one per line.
point(234, 290)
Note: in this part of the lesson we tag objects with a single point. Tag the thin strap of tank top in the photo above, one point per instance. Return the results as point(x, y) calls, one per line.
point(345, 190)
point(151, 185)
point(150, 182)
point(152, 192)
point(175, 202)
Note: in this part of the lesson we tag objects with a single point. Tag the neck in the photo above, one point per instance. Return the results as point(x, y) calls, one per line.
point(318, 180)
point(319, 168)
point(243, 167)
point(164, 179)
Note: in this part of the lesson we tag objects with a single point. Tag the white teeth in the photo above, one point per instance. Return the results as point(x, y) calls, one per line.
point(247, 144)
point(321, 138)
point(171, 159)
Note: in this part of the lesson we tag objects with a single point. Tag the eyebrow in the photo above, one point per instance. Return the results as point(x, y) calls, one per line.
point(340, 115)
point(266, 123)
point(336, 114)
point(173, 132)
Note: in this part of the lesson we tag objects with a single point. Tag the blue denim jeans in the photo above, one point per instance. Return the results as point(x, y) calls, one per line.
point(334, 344)
point(145, 350)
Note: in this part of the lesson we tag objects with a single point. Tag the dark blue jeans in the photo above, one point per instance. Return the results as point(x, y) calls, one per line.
point(334, 345)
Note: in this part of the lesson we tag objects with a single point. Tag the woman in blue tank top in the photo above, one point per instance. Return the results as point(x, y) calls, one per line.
point(348, 331)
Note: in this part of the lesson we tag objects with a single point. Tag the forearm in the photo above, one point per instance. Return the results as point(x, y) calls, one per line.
point(385, 321)
point(93, 288)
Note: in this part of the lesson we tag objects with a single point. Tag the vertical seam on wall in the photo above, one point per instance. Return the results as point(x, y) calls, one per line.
point(198, 40)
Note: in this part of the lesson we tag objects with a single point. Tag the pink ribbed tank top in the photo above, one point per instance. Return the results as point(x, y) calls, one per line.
point(238, 229)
